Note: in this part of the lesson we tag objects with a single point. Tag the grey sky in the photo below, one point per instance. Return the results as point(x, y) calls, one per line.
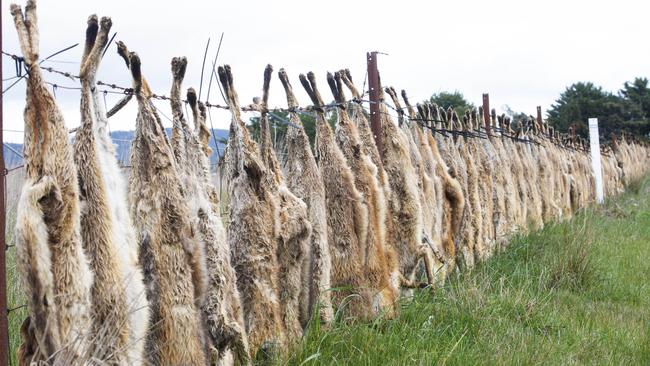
point(523, 53)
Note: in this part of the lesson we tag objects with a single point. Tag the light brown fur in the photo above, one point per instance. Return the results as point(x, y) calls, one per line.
point(213, 276)
point(347, 218)
point(450, 191)
point(521, 186)
point(295, 230)
point(222, 305)
point(58, 282)
point(253, 231)
point(511, 206)
point(451, 157)
point(484, 167)
point(109, 242)
point(477, 239)
point(439, 220)
point(375, 264)
point(534, 206)
point(161, 217)
point(434, 261)
point(405, 207)
point(304, 180)
point(370, 150)
point(491, 146)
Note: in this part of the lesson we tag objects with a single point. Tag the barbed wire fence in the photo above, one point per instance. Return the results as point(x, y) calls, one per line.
point(14, 175)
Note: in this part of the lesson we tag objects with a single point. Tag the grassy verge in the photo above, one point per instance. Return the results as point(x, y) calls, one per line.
point(573, 293)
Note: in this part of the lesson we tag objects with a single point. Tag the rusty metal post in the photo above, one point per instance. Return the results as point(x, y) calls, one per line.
point(374, 88)
point(4, 312)
point(539, 115)
point(486, 114)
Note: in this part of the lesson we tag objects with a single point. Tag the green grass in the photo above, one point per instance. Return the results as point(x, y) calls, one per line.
point(573, 293)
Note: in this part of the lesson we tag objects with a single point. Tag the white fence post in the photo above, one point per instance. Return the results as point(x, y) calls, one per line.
point(594, 142)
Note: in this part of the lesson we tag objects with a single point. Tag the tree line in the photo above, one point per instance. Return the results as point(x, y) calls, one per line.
point(627, 110)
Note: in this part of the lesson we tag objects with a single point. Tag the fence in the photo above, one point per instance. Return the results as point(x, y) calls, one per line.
point(14, 176)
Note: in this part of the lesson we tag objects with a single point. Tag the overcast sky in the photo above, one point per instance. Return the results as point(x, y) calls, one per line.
point(523, 53)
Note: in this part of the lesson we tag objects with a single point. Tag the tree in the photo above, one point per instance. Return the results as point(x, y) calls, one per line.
point(628, 111)
point(455, 99)
point(637, 95)
point(582, 101)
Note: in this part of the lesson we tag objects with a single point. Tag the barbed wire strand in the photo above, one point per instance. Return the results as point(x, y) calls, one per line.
point(305, 111)
point(20, 64)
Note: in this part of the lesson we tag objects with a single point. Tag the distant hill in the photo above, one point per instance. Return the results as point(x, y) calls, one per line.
point(122, 140)
point(13, 155)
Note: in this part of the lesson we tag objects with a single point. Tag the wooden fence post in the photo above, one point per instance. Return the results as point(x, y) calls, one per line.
point(4, 312)
point(486, 113)
point(374, 92)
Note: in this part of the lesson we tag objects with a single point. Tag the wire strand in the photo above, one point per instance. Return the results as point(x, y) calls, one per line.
point(112, 88)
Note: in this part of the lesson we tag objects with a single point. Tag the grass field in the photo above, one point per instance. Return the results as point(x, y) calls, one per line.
point(573, 293)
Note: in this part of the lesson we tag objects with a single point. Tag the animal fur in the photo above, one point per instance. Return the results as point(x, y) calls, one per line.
point(426, 191)
point(374, 261)
point(440, 219)
point(214, 278)
point(511, 206)
point(405, 207)
point(120, 311)
point(161, 218)
point(434, 261)
point(295, 230)
point(450, 155)
point(370, 149)
point(304, 180)
point(450, 200)
point(521, 185)
point(187, 153)
point(253, 231)
point(50, 259)
point(534, 206)
point(483, 165)
point(347, 217)
point(476, 238)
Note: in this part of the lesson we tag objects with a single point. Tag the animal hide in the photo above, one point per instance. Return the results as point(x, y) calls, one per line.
point(167, 244)
point(253, 231)
point(404, 203)
point(120, 310)
point(369, 148)
point(304, 180)
point(218, 296)
point(50, 259)
point(347, 217)
point(374, 261)
point(295, 230)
